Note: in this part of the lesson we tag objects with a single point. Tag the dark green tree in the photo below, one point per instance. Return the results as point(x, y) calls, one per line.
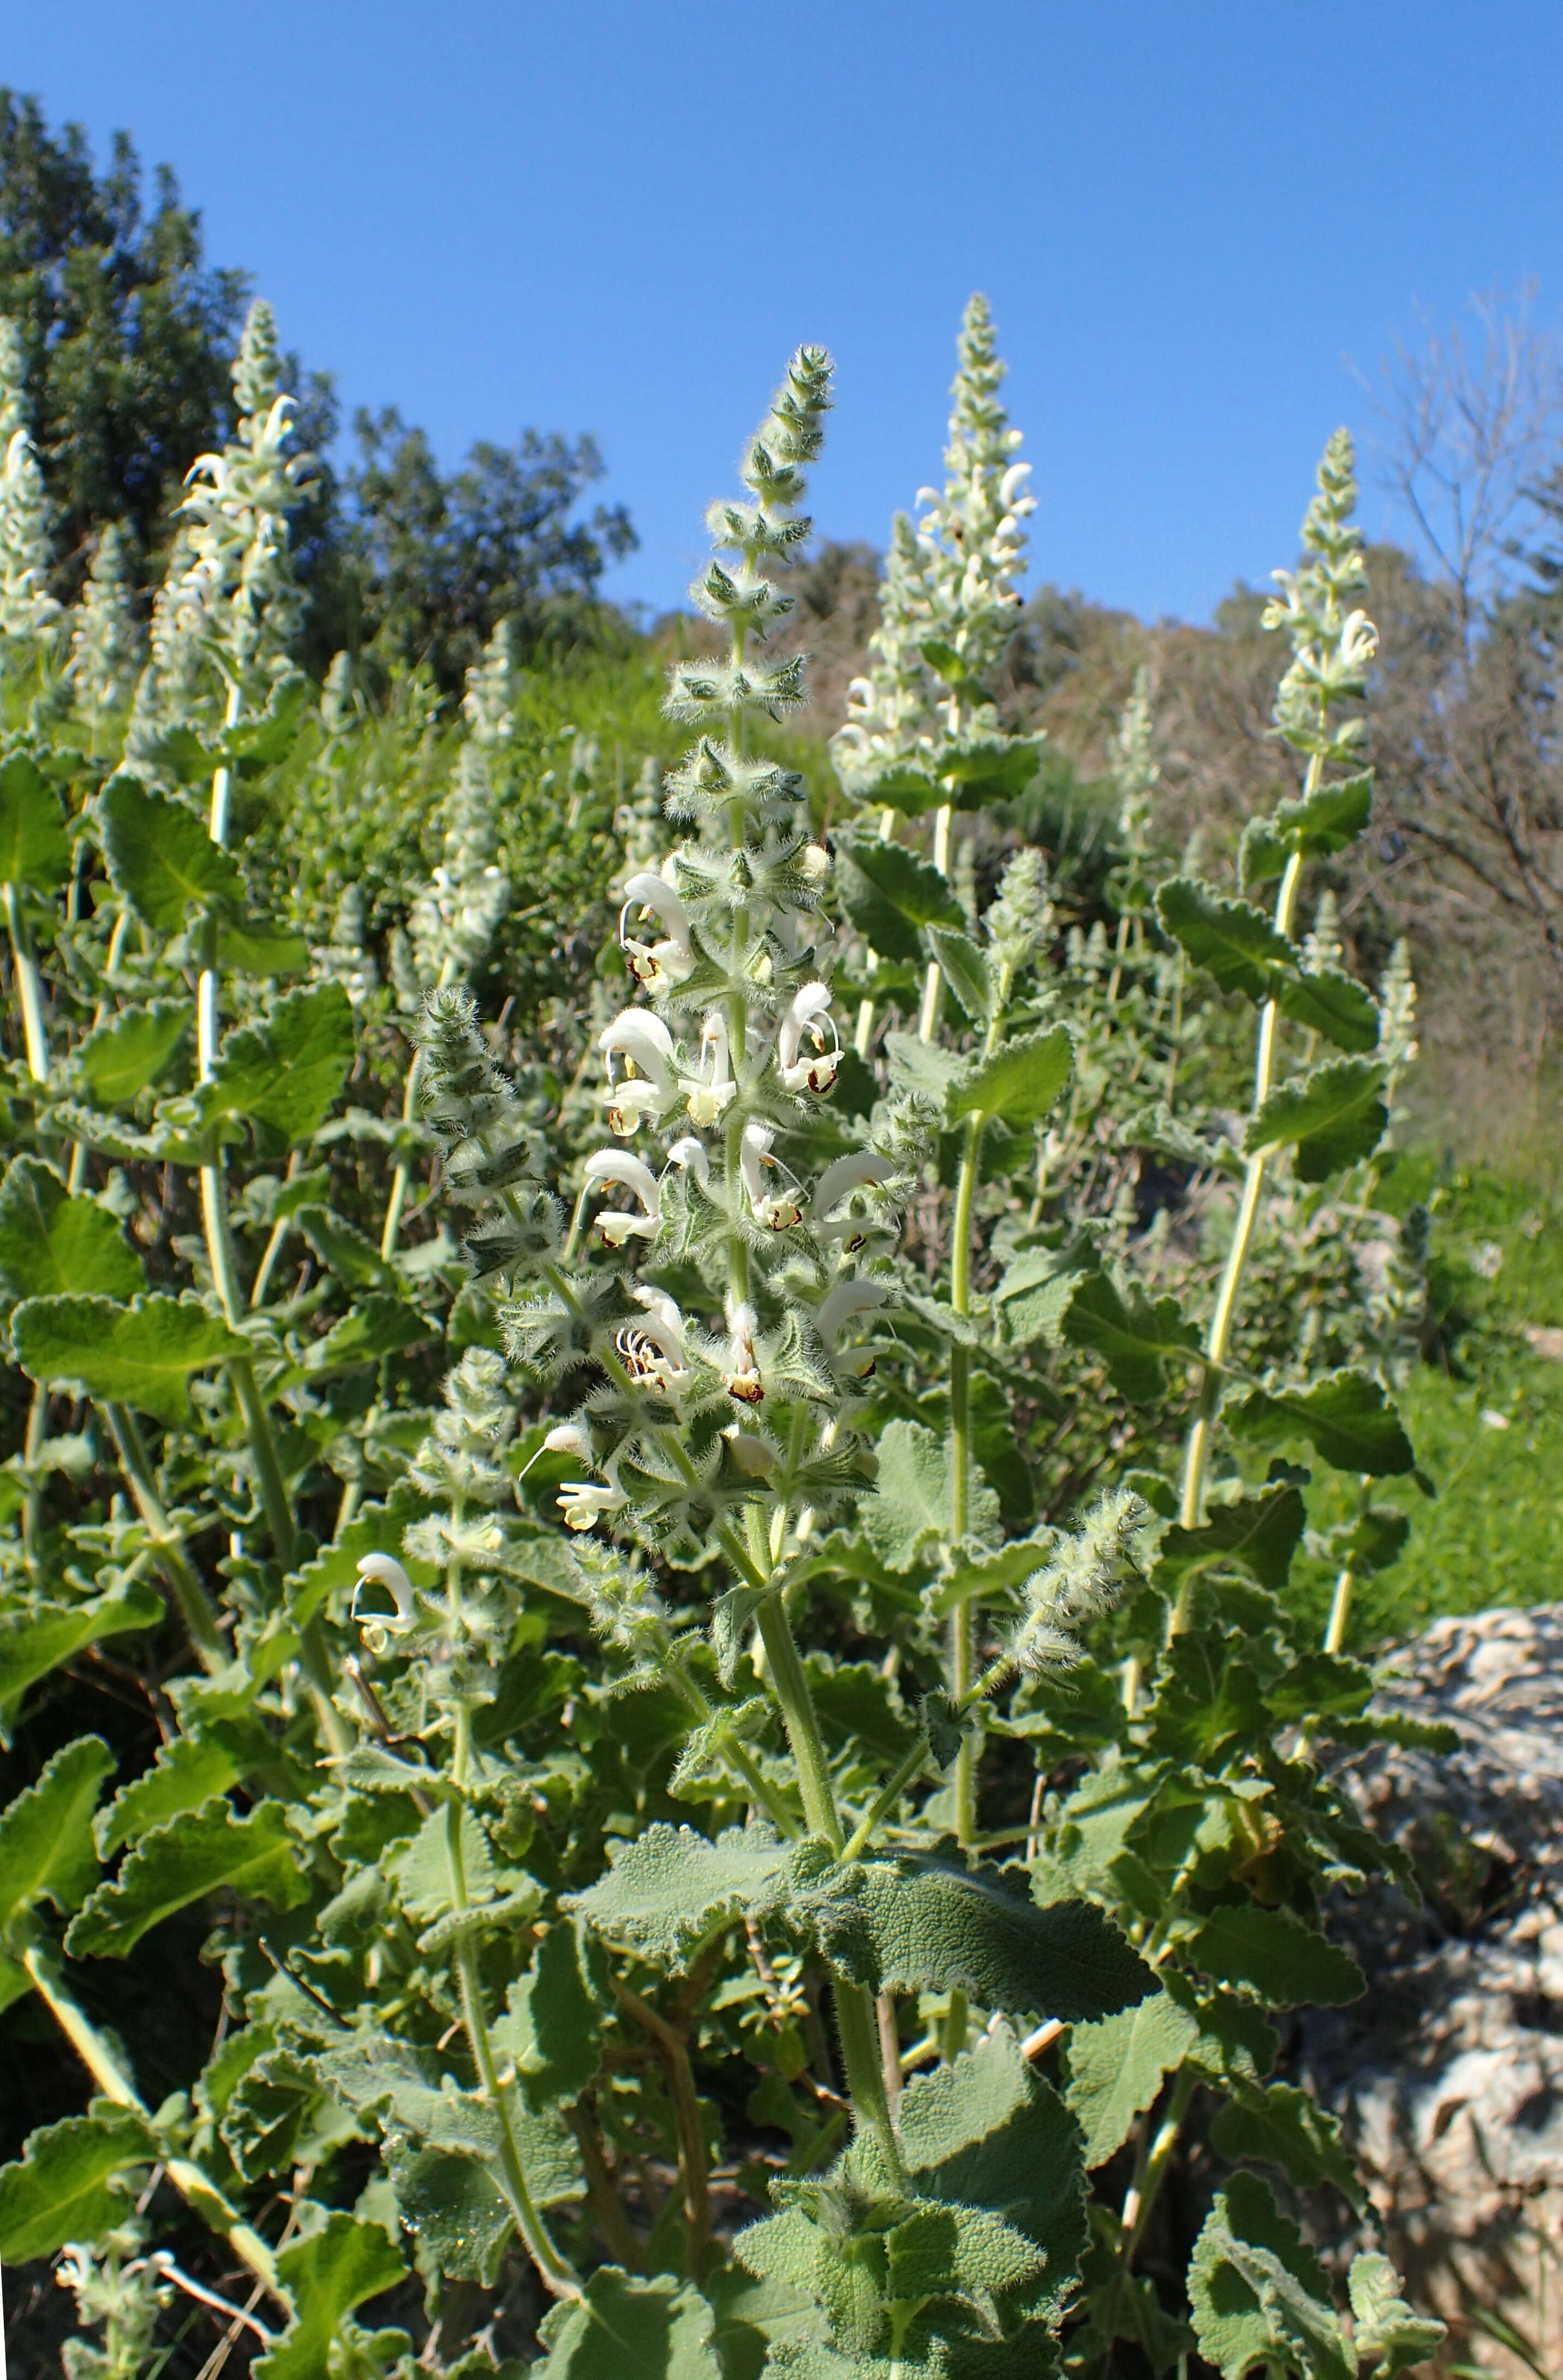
point(441, 560)
point(126, 332)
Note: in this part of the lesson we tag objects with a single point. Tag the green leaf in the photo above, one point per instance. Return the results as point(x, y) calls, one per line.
point(1276, 1956)
point(1033, 1293)
point(981, 770)
point(1260, 2296)
point(965, 967)
point(162, 859)
point(255, 946)
point(1118, 2065)
point(890, 894)
point(1262, 1531)
point(1287, 2128)
point(910, 1509)
point(209, 1850)
point(988, 2131)
point(1332, 1117)
point(1021, 1082)
point(46, 1833)
point(34, 847)
point(552, 2024)
point(140, 1355)
point(1324, 822)
point(1345, 1416)
point(51, 1243)
point(626, 2328)
point(663, 1891)
point(284, 1075)
point(1233, 942)
point(379, 1325)
point(328, 2275)
point(454, 2207)
point(1383, 2324)
point(936, 1922)
point(1235, 2044)
point(120, 1060)
point(34, 1641)
point(1323, 999)
point(350, 1253)
point(1319, 1685)
point(1134, 1336)
point(72, 2182)
point(187, 1772)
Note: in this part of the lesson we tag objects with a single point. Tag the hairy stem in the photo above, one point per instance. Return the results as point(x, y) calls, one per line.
point(29, 988)
point(102, 2064)
point(557, 2274)
point(688, 2124)
point(169, 1549)
point(1218, 1339)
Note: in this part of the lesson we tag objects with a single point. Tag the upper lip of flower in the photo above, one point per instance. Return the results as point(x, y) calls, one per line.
point(859, 1171)
point(809, 1010)
point(707, 1096)
point(848, 1298)
point(754, 1150)
point(617, 1165)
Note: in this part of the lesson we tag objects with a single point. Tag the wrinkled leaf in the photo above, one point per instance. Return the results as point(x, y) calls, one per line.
point(72, 2182)
point(140, 1355)
point(52, 1244)
point(209, 1850)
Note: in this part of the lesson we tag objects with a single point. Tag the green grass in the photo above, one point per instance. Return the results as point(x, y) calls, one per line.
point(1492, 1534)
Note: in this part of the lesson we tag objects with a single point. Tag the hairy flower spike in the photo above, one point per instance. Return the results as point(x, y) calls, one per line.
point(27, 608)
point(106, 641)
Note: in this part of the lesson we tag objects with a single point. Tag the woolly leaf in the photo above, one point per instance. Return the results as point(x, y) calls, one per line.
point(140, 1355)
point(46, 1833)
point(32, 1642)
point(328, 2275)
point(52, 1243)
point(1277, 1957)
point(552, 2023)
point(935, 1922)
point(965, 967)
point(1134, 1336)
point(283, 1077)
point(187, 1772)
point(162, 859)
point(1287, 2128)
point(910, 1509)
point(1262, 1531)
point(1323, 999)
point(72, 2182)
point(663, 1890)
point(1345, 1418)
point(628, 2328)
point(1326, 820)
point(1259, 2295)
point(378, 1325)
point(1332, 1117)
point(123, 1059)
point(209, 1850)
point(1117, 2066)
point(1233, 942)
point(1019, 1083)
point(34, 847)
point(1383, 2324)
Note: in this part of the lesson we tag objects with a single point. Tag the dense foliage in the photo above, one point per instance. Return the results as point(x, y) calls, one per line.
point(654, 1710)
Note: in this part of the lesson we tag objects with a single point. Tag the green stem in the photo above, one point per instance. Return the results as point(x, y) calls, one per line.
point(557, 2274)
point(403, 1174)
point(886, 1800)
point(688, 2124)
point(113, 2083)
point(168, 1547)
point(1196, 1452)
point(29, 988)
point(857, 2015)
point(33, 1447)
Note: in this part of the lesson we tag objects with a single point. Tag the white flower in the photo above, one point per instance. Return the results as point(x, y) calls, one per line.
point(742, 1378)
point(628, 1172)
point(653, 1350)
point(568, 1438)
point(814, 861)
point(583, 1503)
point(862, 1170)
point(709, 1091)
point(1010, 490)
point(751, 1455)
point(384, 1570)
point(689, 1155)
point(809, 1013)
point(644, 1043)
point(1359, 640)
point(657, 967)
point(772, 1211)
point(847, 1300)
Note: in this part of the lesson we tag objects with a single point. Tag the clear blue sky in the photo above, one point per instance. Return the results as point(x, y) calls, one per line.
point(1191, 216)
